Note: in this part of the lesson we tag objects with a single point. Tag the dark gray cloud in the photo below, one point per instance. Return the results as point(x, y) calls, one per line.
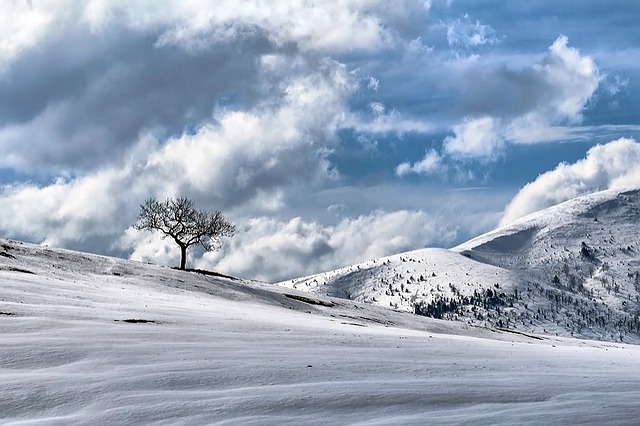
point(79, 98)
point(557, 87)
point(502, 92)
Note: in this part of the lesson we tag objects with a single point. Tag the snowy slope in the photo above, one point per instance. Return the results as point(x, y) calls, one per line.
point(399, 281)
point(584, 254)
point(572, 270)
point(91, 340)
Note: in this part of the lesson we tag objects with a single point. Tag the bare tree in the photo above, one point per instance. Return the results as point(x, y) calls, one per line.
point(179, 220)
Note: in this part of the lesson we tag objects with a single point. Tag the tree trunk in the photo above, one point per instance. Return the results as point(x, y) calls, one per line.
point(183, 257)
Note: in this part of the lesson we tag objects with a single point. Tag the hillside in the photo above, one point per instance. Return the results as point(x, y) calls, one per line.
point(91, 340)
point(570, 270)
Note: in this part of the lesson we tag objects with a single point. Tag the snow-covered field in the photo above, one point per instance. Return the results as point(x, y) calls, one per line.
point(92, 340)
point(570, 270)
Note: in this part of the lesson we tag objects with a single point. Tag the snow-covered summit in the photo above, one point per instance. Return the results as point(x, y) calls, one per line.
point(572, 269)
point(616, 205)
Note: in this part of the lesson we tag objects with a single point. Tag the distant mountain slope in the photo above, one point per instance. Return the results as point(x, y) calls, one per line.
point(572, 269)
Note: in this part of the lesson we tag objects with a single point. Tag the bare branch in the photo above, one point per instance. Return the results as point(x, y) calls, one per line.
point(187, 226)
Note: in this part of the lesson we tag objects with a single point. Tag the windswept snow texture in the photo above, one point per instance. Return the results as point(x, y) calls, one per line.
point(570, 270)
point(92, 340)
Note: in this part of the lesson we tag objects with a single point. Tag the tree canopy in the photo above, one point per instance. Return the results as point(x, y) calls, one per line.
point(179, 220)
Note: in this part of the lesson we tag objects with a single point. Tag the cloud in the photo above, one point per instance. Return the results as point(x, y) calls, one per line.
point(272, 250)
point(88, 211)
point(264, 148)
point(553, 90)
point(242, 159)
point(119, 69)
point(373, 83)
point(503, 105)
point(91, 105)
point(616, 85)
point(477, 138)
point(467, 33)
point(430, 164)
point(382, 121)
point(612, 165)
point(79, 208)
point(21, 27)
point(338, 26)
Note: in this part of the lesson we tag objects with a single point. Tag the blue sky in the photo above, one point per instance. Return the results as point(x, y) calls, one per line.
point(329, 132)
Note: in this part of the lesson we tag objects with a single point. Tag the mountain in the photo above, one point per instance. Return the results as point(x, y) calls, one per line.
point(88, 340)
point(570, 270)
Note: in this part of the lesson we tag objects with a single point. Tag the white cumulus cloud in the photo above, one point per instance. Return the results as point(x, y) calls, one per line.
point(431, 163)
point(476, 138)
point(273, 250)
point(21, 27)
point(612, 165)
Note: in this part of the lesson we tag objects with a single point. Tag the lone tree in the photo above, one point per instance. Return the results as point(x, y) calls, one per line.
point(179, 220)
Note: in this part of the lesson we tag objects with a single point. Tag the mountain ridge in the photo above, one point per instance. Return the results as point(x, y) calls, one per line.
point(572, 269)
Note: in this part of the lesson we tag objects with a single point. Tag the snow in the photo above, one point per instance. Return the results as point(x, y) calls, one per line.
point(426, 273)
point(223, 351)
point(535, 265)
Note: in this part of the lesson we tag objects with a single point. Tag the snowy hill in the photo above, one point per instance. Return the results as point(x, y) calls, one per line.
point(92, 340)
point(570, 270)
point(88, 340)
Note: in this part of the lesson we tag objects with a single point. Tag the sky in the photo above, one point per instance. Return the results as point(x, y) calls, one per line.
point(329, 132)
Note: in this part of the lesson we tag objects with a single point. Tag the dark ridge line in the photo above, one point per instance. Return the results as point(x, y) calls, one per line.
point(531, 336)
point(309, 300)
point(205, 272)
point(14, 269)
